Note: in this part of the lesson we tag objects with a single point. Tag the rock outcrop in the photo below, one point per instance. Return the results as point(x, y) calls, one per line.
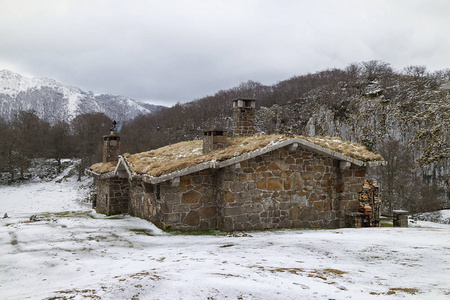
point(415, 112)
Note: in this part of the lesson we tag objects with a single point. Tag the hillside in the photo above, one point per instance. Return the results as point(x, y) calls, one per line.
point(54, 101)
point(403, 115)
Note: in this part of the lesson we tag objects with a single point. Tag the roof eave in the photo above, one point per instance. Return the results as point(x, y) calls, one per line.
point(105, 175)
point(377, 163)
point(92, 173)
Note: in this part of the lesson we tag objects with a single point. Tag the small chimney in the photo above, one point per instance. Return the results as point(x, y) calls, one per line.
point(213, 140)
point(243, 117)
point(111, 146)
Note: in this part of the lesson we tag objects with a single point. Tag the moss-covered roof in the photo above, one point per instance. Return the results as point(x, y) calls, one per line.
point(182, 155)
point(101, 168)
point(353, 150)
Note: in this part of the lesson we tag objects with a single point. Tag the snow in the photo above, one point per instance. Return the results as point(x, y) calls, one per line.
point(445, 214)
point(75, 253)
point(12, 84)
point(73, 96)
point(186, 152)
point(442, 216)
point(137, 106)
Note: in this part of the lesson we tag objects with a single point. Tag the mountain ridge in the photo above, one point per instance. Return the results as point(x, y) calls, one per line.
point(53, 101)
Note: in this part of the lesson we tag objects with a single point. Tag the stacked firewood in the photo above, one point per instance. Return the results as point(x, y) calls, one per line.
point(369, 204)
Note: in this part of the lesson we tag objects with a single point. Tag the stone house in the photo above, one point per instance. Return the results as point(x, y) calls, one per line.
point(245, 182)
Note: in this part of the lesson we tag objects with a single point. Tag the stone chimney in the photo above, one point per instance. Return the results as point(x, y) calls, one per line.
point(213, 140)
point(111, 148)
point(243, 117)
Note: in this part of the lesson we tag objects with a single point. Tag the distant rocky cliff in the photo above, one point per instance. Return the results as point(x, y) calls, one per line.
point(415, 112)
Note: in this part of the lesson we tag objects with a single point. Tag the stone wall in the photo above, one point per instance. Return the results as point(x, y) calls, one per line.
point(279, 189)
point(282, 189)
point(353, 181)
point(112, 196)
point(192, 204)
point(186, 204)
point(145, 203)
point(102, 196)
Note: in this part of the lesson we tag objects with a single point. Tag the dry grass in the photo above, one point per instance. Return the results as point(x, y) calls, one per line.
point(314, 273)
point(101, 168)
point(182, 155)
point(353, 150)
point(411, 291)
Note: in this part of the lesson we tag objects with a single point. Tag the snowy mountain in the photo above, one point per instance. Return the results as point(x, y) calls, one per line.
point(54, 101)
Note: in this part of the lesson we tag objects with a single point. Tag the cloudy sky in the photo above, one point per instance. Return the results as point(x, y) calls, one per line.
point(173, 51)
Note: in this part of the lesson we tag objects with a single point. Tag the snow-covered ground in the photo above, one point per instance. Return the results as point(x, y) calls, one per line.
point(74, 253)
point(442, 217)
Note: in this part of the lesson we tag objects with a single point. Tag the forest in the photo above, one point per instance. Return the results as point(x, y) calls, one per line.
point(27, 137)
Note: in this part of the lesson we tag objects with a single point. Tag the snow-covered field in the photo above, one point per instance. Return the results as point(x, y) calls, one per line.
point(74, 253)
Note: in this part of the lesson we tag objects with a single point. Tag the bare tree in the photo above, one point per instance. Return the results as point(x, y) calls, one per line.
point(8, 149)
point(397, 175)
point(415, 71)
point(60, 142)
point(31, 133)
point(375, 69)
point(88, 131)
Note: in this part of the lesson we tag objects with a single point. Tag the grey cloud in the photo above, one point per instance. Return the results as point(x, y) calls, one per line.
point(170, 51)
